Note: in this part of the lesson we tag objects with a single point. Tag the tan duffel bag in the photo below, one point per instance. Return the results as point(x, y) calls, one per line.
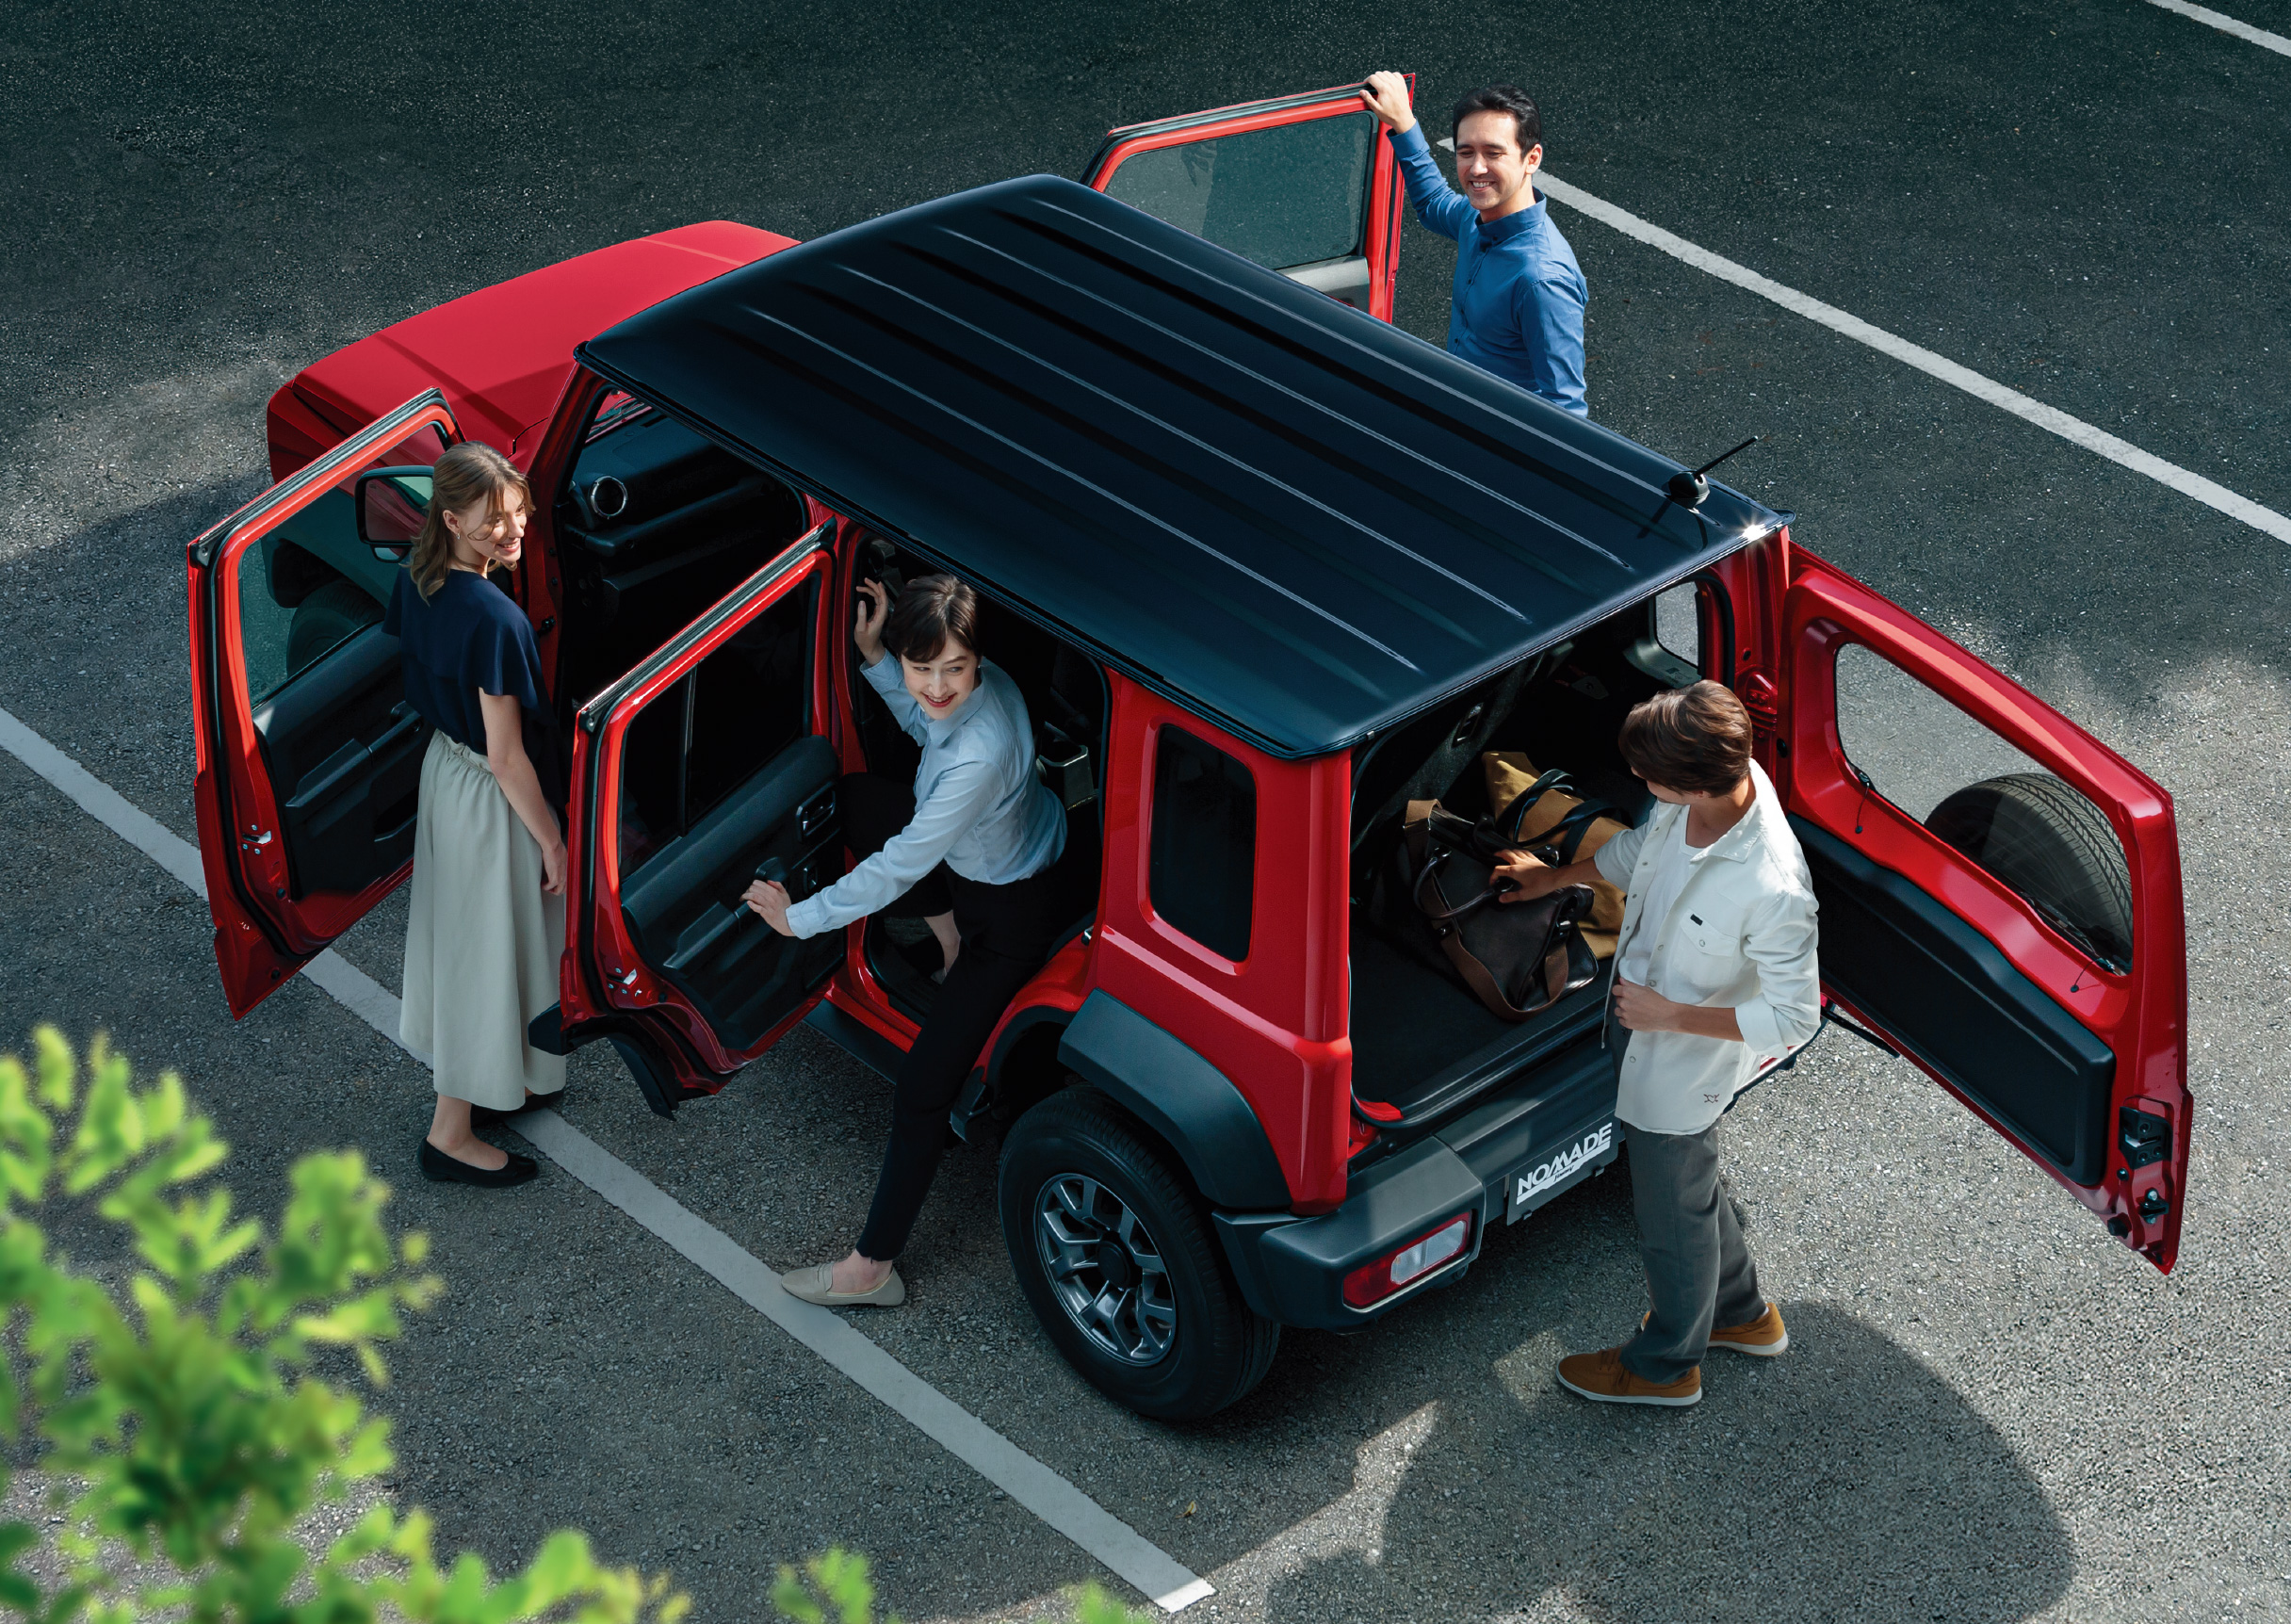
point(1512, 776)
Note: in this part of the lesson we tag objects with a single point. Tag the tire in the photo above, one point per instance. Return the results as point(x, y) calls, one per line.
point(1173, 1340)
point(2045, 840)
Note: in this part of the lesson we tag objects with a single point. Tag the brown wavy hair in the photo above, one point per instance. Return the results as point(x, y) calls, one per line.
point(1694, 740)
point(468, 475)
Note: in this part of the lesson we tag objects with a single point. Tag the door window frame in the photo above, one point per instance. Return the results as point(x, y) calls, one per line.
point(1380, 227)
point(606, 978)
point(246, 857)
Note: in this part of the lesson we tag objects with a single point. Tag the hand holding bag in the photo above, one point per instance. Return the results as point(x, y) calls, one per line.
point(1546, 809)
point(1517, 958)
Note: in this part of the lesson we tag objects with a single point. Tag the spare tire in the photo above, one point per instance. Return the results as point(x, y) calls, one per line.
point(2044, 840)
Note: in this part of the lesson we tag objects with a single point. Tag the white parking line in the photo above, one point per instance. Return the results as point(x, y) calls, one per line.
point(2260, 36)
point(2049, 418)
point(1120, 1548)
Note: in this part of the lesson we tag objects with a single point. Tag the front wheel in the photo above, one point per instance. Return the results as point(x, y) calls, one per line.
point(1117, 1260)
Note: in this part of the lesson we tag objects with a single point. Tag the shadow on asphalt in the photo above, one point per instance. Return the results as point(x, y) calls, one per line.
point(1843, 1480)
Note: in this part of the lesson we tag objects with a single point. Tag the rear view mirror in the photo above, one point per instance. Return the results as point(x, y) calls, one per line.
point(392, 503)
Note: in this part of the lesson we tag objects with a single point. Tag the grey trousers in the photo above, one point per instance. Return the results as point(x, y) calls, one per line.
point(1699, 1271)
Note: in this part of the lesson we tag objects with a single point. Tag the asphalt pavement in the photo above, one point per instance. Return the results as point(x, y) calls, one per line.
point(1990, 1410)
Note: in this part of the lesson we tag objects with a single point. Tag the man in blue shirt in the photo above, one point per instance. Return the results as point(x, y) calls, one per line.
point(1520, 295)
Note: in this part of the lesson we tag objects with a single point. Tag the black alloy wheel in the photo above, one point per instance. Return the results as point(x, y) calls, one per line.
point(1119, 1260)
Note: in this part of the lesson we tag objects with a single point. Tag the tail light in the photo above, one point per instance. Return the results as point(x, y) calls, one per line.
point(1374, 1282)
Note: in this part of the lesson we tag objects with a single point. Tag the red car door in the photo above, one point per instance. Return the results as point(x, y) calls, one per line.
point(708, 764)
point(1301, 184)
point(2000, 897)
point(309, 757)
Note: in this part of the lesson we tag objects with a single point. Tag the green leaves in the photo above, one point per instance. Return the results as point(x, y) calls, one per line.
point(185, 1407)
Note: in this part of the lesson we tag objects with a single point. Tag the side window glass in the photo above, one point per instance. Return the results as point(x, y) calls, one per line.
point(712, 732)
point(312, 585)
point(1289, 195)
point(1202, 866)
point(1984, 796)
point(1677, 623)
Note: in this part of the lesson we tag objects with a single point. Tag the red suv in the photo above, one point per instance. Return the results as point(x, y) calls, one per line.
point(1266, 568)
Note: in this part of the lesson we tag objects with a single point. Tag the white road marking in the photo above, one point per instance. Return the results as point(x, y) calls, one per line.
point(2049, 418)
point(1120, 1548)
point(2226, 24)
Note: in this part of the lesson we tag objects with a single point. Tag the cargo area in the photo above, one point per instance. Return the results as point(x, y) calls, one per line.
point(1423, 1044)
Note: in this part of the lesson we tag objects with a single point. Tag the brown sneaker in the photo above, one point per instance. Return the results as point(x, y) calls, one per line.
point(1764, 1336)
point(1603, 1378)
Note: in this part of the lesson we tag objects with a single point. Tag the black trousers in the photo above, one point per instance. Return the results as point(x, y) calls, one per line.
point(1006, 932)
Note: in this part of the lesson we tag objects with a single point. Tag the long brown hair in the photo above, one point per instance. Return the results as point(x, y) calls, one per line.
point(471, 476)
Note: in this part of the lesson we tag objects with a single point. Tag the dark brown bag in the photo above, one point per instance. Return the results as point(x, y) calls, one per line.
point(1517, 958)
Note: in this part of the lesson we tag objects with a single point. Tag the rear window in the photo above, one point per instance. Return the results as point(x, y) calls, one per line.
point(1203, 861)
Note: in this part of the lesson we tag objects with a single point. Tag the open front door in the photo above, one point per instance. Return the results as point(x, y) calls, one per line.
point(309, 757)
point(1300, 183)
point(2000, 896)
point(702, 769)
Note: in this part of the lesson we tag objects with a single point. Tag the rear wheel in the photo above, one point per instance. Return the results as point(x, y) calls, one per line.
point(1118, 1262)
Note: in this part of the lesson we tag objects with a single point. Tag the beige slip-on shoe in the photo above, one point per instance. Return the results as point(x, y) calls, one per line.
point(817, 1284)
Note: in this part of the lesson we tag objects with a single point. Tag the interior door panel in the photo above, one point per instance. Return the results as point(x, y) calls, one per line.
point(684, 911)
point(309, 762)
point(344, 751)
point(1913, 967)
point(1960, 951)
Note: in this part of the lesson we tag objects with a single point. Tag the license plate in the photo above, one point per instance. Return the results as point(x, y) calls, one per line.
point(1529, 1186)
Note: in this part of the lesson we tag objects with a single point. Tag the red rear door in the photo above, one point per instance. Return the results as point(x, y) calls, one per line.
point(309, 757)
point(708, 764)
point(2000, 896)
point(1300, 183)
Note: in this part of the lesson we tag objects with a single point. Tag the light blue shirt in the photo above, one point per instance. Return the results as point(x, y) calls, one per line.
point(979, 808)
point(1520, 295)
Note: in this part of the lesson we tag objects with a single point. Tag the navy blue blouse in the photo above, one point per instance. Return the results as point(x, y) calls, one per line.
point(470, 638)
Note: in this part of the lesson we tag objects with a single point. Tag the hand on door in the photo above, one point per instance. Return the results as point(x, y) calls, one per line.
point(1386, 97)
point(769, 902)
point(874, 608)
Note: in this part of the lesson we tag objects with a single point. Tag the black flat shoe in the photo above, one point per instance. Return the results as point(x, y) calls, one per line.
point(486, 1116)
point(440, 1168)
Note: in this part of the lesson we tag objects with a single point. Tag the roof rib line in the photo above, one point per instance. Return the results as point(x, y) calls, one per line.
point(1408, 452)
point(1038, 460)
point(1223, 456)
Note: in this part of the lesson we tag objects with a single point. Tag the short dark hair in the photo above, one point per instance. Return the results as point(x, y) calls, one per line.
point(1500, 99)
point(1693, 740)
point(932, 611)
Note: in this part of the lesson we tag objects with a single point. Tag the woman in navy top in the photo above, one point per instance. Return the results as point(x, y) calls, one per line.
point(485, 933)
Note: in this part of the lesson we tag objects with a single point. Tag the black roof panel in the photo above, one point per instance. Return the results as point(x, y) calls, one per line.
point(1285, 513)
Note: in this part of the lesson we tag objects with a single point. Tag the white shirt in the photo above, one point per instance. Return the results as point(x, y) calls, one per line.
point(979, 807)
point(1739, 934)
point(1672, 856)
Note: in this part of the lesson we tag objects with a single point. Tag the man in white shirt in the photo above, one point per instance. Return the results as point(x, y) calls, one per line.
point(1715, 983)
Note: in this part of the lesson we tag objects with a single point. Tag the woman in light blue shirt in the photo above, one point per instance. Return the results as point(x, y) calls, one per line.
point(971, 851)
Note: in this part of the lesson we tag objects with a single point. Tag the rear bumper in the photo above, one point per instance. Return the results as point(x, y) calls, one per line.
point(1541, 1135)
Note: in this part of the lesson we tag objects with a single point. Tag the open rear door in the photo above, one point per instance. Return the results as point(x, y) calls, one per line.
point(2000, 896)
point(707, 765)
point(310, 760)
point(1300, 183)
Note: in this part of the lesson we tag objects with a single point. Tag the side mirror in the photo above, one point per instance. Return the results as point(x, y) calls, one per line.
point(392, 503)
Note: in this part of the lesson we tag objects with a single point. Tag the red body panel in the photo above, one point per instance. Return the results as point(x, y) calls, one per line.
point(502, 354)
point(2141, 1015)
point(1273, 1023)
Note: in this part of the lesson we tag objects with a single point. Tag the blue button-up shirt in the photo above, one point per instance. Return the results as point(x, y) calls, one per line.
point(1520, 295)
point(979, 808)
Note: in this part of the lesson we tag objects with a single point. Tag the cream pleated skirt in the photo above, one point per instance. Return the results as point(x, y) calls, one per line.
point(483, 939)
